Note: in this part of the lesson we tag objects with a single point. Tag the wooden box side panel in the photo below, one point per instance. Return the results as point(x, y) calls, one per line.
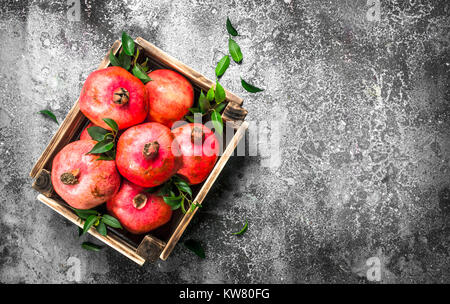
point(110, 240)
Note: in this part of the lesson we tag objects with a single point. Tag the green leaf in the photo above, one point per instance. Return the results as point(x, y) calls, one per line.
point(113, 59)
point(220, 94)
point(139, 73)
point(49, 114)
point(105, 157)
point(165, 189)
point(102, 147)
point(242, 230)
point(91, 246)
point(111, 123)
point(84, 214)
point(220, 107)
point(203, 103)
point(89, 222)
point(250, 88)
point(111, 221)
point(102, 228)
point(190, 118)
point(97, 133)
point(210, 94)
point(231, 30)
point(235, 50)
point(127, 44)
point(194, 205)
point(195, 247)
point(194, 110)
point(136, 56)
point(173, 202)
point(222, 65)
point(217, 122)
point(183, 209)
point(183, 186)
point(124, 60)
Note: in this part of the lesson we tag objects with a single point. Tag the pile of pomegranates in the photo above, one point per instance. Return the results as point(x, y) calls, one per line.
point(128, 156)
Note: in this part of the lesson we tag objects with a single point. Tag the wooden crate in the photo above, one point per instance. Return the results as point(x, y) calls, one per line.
point(158, 243)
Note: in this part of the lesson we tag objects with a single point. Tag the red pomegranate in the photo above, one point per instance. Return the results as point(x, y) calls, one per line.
point(170, 96)
point(147, 154)
point(84, 134)
point(138, 211)
point(80, 179)
point(200, 148)
point(114, 93)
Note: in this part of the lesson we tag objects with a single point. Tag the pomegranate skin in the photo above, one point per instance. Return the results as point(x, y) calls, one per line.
point(198, 158)
point(97, 180)
point(101, 98)
point(170, 96)
point(151, 170)
point(84, 134)
point(152, 215)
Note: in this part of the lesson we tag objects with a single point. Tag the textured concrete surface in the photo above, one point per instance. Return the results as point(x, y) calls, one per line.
point(363, 174)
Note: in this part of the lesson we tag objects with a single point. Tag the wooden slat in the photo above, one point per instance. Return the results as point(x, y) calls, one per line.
point(197, 78)
point(69, 126)
point(110, 239)
point(204, 190)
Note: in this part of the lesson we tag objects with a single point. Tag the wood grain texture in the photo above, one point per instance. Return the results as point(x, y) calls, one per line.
point(150, 248)
point(110, 240)
point(234, 113)
point(204, 190)
point(68, 128)
point(43, 183)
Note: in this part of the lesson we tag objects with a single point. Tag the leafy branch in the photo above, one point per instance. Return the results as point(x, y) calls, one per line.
point(98, 220)
point(128, 58)
point(205, 108)
point(106, 140)
point(176, 193)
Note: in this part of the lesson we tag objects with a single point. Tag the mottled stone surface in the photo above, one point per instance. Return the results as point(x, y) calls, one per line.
point(363, 168)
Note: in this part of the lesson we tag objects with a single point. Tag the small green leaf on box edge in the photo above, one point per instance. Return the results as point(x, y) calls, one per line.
point(220, 94)
point(139, 73)
point(217, 122)
point(203, 103)
point(102, 228)
point(113, 59)
point(210, 94)
point(89, 222)
point(127, 44)
point(111, 221)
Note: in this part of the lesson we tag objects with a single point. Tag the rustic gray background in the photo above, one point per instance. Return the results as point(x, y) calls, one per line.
point(365, 144)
